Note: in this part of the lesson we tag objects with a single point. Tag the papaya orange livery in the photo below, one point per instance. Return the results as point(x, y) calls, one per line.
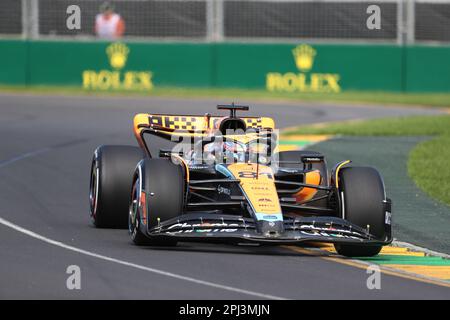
point(226, 180)
point(259, 187)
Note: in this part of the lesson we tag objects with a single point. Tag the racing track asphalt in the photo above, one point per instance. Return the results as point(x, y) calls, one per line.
point(45, 151)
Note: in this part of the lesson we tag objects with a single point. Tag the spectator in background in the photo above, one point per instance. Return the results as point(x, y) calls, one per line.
point(108, 24)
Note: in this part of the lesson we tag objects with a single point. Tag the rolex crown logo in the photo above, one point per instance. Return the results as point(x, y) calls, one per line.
point(304, 57)
point(117, 54)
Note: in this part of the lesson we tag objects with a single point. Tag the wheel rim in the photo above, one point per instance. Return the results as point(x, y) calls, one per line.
point(93, 191)
point(133, 216)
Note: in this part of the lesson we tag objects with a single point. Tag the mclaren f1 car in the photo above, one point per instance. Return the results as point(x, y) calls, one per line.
point(227, 180)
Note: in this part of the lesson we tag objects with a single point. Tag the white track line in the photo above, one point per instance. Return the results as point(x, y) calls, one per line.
point(134, 265)
point(118, 261)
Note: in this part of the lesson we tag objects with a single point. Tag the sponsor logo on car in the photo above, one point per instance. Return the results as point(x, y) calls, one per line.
point(327, 230)
point(328, 234)
point(270, 217)
point(223, 190)
point(201, 225)
point(388, 218)
point(226, 230)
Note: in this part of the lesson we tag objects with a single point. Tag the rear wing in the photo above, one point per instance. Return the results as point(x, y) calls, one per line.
point(166, 126)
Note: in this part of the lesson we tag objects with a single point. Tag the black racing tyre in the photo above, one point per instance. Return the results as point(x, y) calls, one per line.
point(111, 179)
point(134, 217)
point(296, 155)
point(363, 205)
point(163, 185)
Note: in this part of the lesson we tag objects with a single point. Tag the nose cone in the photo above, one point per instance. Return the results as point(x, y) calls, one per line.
point(270, 229)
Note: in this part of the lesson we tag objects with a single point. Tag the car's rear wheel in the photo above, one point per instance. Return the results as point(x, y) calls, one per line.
point(363, 204)
point(111, 179)
point(162, 184)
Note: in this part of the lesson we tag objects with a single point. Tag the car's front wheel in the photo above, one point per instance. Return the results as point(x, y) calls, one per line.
point(134, 216)
point(157, 196)
point(363, 203)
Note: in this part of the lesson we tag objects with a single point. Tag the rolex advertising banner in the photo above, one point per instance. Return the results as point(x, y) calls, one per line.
point(302, 67)
point(118, 65)
point(310, 68)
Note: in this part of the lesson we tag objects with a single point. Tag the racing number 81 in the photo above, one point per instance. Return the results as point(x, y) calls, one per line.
point(253, 175)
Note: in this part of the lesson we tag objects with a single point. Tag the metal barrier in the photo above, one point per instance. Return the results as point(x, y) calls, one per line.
point(402, 21)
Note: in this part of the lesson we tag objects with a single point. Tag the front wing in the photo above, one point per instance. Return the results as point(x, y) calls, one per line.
point(207, 227)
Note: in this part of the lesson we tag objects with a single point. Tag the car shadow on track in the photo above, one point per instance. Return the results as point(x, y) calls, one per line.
point(265, 250)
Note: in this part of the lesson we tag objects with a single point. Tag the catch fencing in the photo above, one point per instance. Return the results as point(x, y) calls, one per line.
point(402, 21)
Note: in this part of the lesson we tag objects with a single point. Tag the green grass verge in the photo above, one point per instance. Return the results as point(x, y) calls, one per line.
point(353, 97)
point(401, 126)
point(429, 166)
point(429, 161)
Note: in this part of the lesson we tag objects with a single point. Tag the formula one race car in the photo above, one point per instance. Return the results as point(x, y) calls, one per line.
point(226, 180)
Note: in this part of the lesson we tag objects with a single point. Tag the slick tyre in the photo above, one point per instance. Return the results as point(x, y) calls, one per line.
point(110, 184)
point(363, 205)
point(158, 195)
point(135, 222)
